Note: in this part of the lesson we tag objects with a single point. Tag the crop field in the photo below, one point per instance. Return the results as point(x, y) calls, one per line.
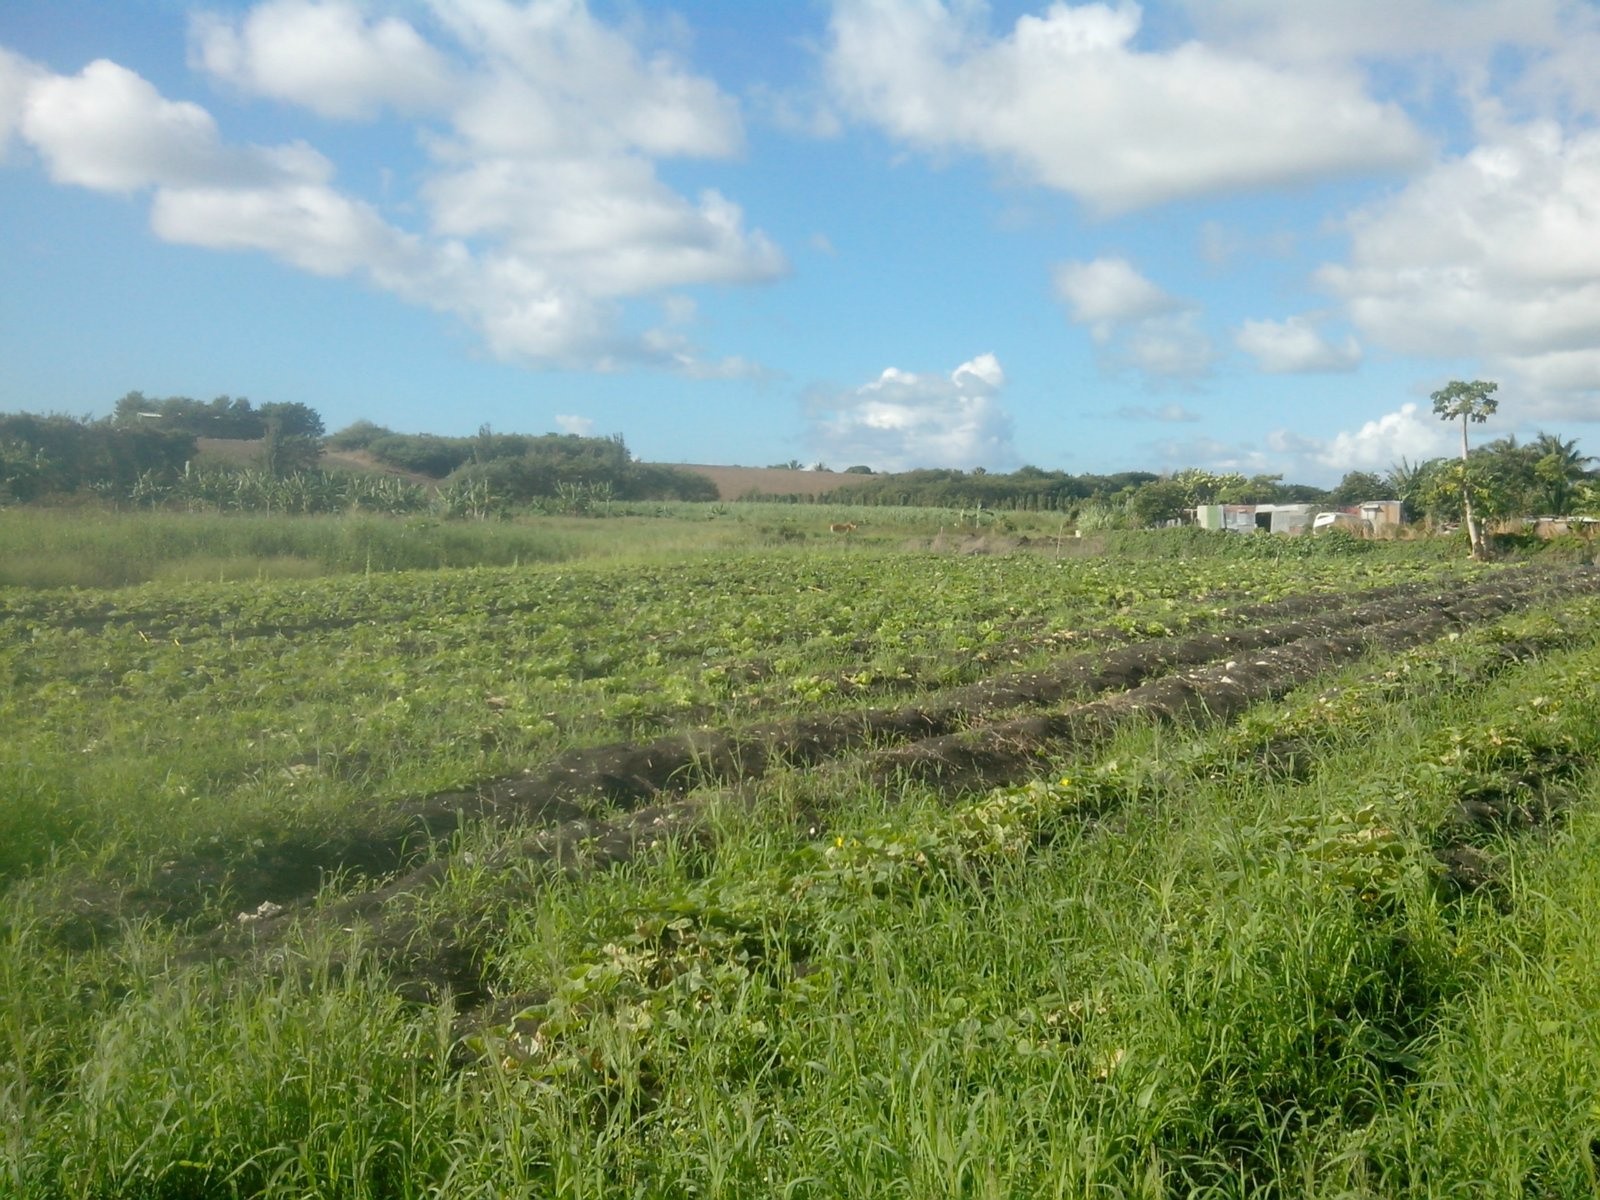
point(836, 869)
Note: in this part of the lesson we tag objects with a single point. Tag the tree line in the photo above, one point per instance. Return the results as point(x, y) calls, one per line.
point(144, 453)
point(522, 466)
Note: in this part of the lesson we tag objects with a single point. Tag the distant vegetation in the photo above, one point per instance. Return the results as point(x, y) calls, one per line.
point(519, 467)
point(145, 455)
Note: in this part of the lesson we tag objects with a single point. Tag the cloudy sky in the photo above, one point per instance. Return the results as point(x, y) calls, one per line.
point(1242, 234)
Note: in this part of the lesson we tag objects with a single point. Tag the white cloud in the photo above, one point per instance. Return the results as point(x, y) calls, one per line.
point(1106, 292)
point(607, 222)
point(1069, 101)
point(582, 426)
point(1536, 54)
point(1295, 346)
point(551, 80)
point(107, 128)
point(323, 54)
point(903, 420)
point(1133, 320)
point(1494, 256)
point(543, 214)
point(309, 226)
point(1410, 432)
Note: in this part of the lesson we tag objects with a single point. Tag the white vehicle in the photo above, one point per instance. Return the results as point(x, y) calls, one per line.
point(1339, 520)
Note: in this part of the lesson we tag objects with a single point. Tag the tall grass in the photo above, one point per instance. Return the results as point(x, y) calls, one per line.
point(88, 548)
point(92, 547)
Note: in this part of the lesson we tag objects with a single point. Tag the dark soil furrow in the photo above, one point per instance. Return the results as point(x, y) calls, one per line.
point(627, 775)
point(1000, 752)
point(997, 752)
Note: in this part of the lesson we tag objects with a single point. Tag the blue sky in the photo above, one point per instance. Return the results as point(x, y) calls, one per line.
point(1237, 234)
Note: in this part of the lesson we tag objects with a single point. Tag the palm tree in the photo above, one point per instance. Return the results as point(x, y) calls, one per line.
point(1406, 482)
point(1558, 469)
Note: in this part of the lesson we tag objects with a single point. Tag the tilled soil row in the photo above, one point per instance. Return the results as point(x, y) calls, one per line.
point(998, 752)
point(1029, 639)
point(430, 960)
point(627, 775)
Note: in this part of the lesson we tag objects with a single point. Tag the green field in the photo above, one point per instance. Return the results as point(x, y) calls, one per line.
point(706, 853)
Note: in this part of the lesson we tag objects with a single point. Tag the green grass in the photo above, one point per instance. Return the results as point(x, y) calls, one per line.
point(97, 548)
point(1167, 968)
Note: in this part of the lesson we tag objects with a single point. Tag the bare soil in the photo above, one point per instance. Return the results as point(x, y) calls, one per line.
point(972, 737)
point(598, 806)
point(734, 483)
point(245, 452)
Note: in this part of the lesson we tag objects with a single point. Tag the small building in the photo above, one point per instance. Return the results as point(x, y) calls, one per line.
point(1286, 518)
point(1554, 527)
point(1234, 518)
point(1375, 515)
point(1380, 515)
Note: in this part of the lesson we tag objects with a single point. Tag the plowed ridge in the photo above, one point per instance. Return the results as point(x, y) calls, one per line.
point(1262, 664)
point(627, 775)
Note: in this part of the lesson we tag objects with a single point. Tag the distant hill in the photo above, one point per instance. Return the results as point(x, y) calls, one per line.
point(241, 452)
point(734, 482)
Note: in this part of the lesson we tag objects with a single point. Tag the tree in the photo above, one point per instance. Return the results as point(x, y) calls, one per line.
point(293, 419)
point(1558, 470)
point(1356, 487)
point(1411, 484)
point(291, 438)
point(1471, 402)
point(1160, 502)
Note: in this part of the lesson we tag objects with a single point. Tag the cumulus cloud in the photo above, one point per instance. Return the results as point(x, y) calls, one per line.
point(1106, 292)
point(309, 226)
point(552, 80)
point(1134, 321)
point(1067, 99)
point(903, 420)
point(568, 423)
point(1537, 55)
point(543, 214)
point(1493, 256)
point(1295, 346)
point(609, 222)
point(323, 54)
point(1410, 432)
point(107, 128)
